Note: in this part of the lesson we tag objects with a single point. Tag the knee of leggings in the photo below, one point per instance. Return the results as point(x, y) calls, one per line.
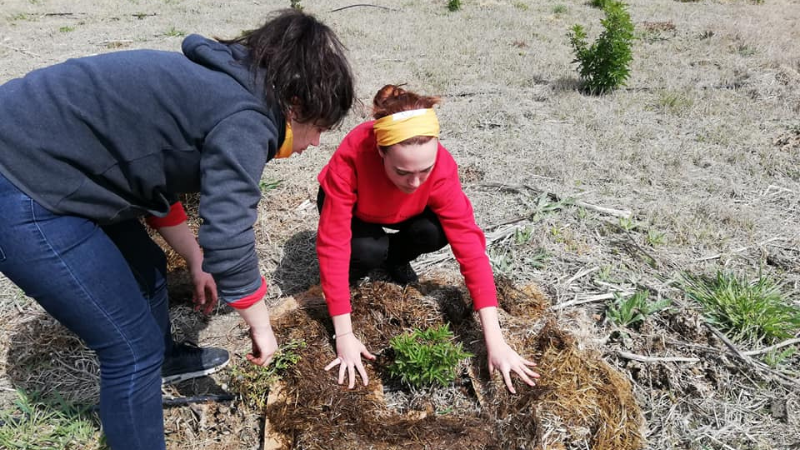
point(428, 236)
point(369, 253)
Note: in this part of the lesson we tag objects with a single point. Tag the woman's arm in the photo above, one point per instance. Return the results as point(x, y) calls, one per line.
point(264, 343)
point(175, 231)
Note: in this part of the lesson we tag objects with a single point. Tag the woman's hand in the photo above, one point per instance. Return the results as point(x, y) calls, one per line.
point(349, 350)
point(264, 346)
point(204, 294)
point(503, 358)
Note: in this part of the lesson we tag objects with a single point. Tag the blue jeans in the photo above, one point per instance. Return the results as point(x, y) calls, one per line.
point(107, 285)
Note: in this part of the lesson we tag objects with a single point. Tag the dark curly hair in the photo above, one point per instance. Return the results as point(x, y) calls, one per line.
point(306, 68)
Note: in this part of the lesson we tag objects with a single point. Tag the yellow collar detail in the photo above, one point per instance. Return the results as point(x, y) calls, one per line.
point(286, 148)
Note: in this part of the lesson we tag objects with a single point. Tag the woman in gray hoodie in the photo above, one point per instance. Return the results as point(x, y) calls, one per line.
point(91, 145)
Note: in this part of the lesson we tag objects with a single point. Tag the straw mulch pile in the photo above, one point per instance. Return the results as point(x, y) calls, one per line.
point(580, 401)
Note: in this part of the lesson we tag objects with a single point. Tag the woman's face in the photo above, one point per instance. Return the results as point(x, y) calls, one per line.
point(305, 134)
point(408, 166)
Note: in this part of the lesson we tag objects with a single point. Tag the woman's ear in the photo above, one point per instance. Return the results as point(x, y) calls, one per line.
point(295, 109)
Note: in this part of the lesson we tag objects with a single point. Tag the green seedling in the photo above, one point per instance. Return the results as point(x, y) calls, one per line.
point(631, 311)
point(253, 382)
point(269, 185)
point(426, 357)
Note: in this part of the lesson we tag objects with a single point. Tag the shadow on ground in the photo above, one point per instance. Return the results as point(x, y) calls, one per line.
point(299, 268)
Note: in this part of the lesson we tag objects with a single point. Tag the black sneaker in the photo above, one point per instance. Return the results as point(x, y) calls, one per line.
point(402, 273)
point(187, 361)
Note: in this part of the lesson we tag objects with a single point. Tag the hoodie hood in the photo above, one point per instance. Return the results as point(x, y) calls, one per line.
point(232, 59)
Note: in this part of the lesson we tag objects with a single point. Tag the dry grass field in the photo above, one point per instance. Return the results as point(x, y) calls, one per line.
point(692, 168)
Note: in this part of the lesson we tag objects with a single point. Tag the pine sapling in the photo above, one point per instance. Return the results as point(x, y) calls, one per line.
point(604, 65)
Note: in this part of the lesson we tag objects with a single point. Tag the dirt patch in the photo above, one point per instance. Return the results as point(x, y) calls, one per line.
point(579, 401)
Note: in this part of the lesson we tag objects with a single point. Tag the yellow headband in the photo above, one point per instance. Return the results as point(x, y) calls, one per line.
point(286, 148)
point(398, 127)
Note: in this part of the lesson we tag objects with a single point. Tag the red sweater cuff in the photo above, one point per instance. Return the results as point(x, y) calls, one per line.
point(339, 308)
point(250, 300)
point(176, 216)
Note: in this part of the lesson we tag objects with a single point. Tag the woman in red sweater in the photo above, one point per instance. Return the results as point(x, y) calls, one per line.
point(394, 173)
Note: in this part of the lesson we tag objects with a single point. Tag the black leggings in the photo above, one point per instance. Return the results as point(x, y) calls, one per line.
point(371, 246)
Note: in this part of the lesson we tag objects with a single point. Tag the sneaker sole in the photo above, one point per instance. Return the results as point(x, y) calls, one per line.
point(172, 379)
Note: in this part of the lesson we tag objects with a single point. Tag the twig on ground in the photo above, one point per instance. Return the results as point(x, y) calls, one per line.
point(362, 4)
point(596, 208)
point(589, 299)
point(447, 255)
point(741, 249)
point(604, 210)
point(582, 273)
point(773, 375)
point(772, 347)
point(649, 359)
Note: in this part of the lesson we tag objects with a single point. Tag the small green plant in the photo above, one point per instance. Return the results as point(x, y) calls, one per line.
point(523, 235)
point(631, 311)
point(520, 6)
point(174, 32)
point(599, 3)
point(604, 65)
point(454, 5)
point(269, 185)
point(538, 260)
point(604, 274)
point(36, 423)
point(426, 357)
point(544, 206)
point(295, 4)
point(655, 238)
point(745, 50)
point(559, 9)
point(628, 224)
point(66, 29)
point(674, 102)
point(776, 358)
point(747, 311)
point(253, 382)
point(501, 261)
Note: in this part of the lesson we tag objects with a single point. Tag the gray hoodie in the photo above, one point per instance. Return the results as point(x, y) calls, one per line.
point(117, 136)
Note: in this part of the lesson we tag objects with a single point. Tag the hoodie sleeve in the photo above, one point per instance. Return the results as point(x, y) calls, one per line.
point(338, 180)
point(233, 158)
point(454, 210)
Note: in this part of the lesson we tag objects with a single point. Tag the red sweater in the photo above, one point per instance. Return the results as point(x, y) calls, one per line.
point(355, 182)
